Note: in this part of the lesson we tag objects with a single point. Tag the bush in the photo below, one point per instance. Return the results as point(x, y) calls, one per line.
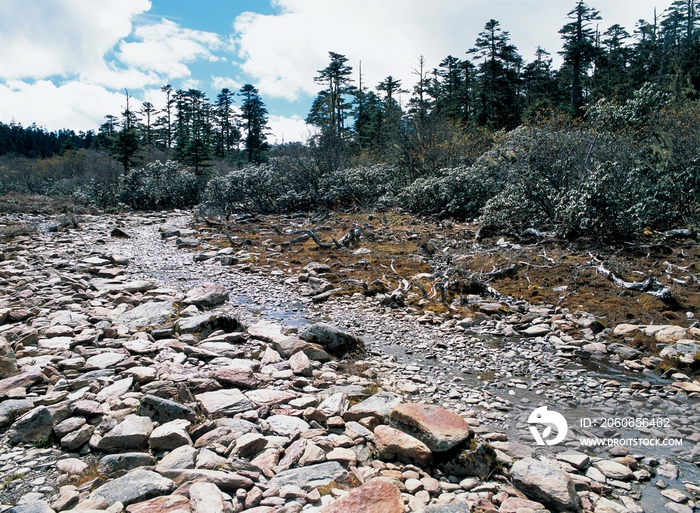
point(256, 188)
point(159, 186)
point(363, 185)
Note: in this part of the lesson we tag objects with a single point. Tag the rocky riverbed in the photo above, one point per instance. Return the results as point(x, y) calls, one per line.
point(145, 369)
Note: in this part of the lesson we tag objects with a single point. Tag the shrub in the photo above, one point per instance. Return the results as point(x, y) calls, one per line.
point(159, 186)
point(256, 188)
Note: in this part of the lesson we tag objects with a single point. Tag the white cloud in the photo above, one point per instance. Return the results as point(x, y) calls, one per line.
point(226, 82)
point(283, 52)
point(165, 47)
point(288, 129)
point(43, 38)
point(74, 105)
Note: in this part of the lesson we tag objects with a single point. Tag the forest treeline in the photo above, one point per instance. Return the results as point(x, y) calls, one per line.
point(605, 144)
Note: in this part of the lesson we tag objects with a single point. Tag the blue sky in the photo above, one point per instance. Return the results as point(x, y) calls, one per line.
point(65, 63)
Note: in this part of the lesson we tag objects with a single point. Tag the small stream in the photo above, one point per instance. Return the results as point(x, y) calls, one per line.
point(278, 303)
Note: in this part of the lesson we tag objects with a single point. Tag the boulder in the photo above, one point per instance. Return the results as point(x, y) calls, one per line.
point(373, 497)
point(310, 477)
point(169, 504)
point(113, 463)
point(147, 314)
point(170, 435)
point(545, 483)
point(436, 427)
point(225, 402)
point(131, 433)
point(206, 498)
point(209, 294)
point(379, 406)
point(164, 410)
point(394, 444)
point(333, 340)
point(136, 486)
point(480, 461)
point(33, 426)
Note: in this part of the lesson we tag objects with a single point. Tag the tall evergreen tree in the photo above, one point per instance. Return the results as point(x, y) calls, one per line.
point(580, 49)
point(254, 121)
point(498, 78)
point(330, 108)
point(227, 133)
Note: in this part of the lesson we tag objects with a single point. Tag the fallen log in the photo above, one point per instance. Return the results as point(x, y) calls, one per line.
point(651, 285)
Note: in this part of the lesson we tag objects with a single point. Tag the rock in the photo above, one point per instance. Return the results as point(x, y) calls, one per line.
point(545, 483)
point(136, 486)
point(183, 457)
point(674, 495)
point(170, 435)
point(71, 466)
point(286, 425)
point(22, 380)
point(516, 504)
point(104, 360)
point(392, 443)
point(206, 498)
point(378, 406)
point(372, 497)
point(131, 433)
point(249, 445)
point(76, 439)
point(208, 323)
point(269, 397)
point(146, 314)
point(318, 268)
point(688, 387)
point(11, 408)
point(575, 459)
point(685, 350)
point(613, 470)
point(457, 506)
point(625, 329)
point(623, 351)
point(227, 481)
point(300, 364)
point(113, 392)
point(225, 402)
point(334, 405)
point(537, 330)
point(33, 426)
point(32, 507)
point(311, 477)
point(333, 340)
point(670, 334)
point(113, 463)
point(436, 427)
point(243, 378)
point(170, 504)
point(164, 410)
point(209, 294)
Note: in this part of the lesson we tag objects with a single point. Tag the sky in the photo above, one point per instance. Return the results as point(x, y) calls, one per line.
point(67, 63)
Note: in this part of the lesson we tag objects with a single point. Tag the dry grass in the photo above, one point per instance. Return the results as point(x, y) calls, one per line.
point(400, 241)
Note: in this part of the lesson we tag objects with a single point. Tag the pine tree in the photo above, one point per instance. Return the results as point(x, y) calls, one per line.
point(254, 122)
point(579, 49)
point(330, 108)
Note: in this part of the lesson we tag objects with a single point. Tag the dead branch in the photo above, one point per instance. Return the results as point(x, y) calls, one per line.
point(651, 285)
point(506, 271)
point(310, 233)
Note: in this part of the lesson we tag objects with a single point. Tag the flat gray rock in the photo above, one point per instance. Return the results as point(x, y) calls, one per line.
point(547, 484)
point(164, 410)
point(334, 340)
point(11, 407)
point(209, 294)
point(112, 463)
point(136, 486)
point(225, 402)
point(153, 312)
point(131, 433)
point(379, 406)
point(34, 425)
point(311, 477)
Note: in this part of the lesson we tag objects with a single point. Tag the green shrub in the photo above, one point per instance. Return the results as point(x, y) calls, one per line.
point(159, 186)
